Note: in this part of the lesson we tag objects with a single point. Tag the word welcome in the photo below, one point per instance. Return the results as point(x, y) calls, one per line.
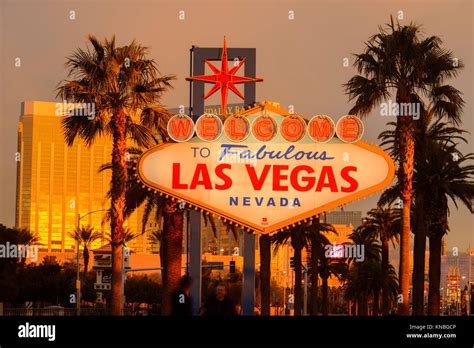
point(292, 128)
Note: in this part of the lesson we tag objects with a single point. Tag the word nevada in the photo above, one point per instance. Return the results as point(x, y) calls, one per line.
point(264, 128)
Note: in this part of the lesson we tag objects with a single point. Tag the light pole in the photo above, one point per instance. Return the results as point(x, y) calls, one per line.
point(78, 276)
point(468, 307)
point(305, 306)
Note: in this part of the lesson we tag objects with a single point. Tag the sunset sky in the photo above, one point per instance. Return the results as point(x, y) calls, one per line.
point(301, 60)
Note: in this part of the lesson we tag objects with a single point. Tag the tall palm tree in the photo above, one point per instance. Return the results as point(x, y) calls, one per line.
point(399, 63)
point(300, 237)
point(385, 223)
point(85, 235)
point(445, 174)
point(120, 82)
point(426, 130)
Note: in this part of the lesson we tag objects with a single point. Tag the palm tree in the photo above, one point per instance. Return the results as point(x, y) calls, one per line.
point(365, 282)
point(399, 62)
point(425, 131)
point(297, 243)
point(357, 287)
point(120, 82)
point(445, 175)
point(318, 242)
point(85, 235)
point(299, 237)
point(327, 268)
point(155, 238)
point(128, 236)
point(23, 236)
point(385, 223)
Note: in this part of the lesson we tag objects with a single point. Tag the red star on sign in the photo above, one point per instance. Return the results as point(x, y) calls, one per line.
point(224, 79)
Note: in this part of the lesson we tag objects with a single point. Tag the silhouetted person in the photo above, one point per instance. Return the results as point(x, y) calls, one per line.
point(182, 303)
point(219, 305)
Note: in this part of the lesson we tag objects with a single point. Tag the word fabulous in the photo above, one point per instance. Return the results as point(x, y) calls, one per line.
point(292, 128)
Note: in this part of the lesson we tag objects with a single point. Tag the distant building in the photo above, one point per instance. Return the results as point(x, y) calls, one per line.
point(353, 218)
point(56, 182)
point(455, 273)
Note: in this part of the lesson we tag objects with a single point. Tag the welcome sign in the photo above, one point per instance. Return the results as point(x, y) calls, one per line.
point(268, 185)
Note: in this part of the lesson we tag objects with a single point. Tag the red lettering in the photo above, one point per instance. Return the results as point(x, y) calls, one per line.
point(235, 134)
point(308, 180)
point(175, 182)
point(353, 184)
point(257, 182)
point(320, 128)
point(227, 181)
point(201, 171)
point(209, 128)
point(350, 128)
point(180, 127)
point(278, 177)
point(326, 172)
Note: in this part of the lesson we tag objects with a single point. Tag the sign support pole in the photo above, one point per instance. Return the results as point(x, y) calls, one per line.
point(248, 286)
point(195, 259)
point(197, 58)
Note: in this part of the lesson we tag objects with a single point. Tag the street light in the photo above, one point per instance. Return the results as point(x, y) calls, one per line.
point(78, 276)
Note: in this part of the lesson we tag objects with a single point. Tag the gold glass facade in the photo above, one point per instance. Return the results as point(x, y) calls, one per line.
point(56, 182)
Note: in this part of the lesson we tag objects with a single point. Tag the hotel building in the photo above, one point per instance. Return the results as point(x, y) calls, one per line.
point(56, 182)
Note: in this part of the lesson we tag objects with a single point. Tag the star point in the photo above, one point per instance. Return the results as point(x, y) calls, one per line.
point(224, 79)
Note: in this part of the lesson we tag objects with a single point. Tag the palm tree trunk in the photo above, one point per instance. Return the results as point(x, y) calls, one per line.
point(172, 251)
point(265, 269)
point(363, 306)
point(385, 265)
point(314, 276)
point(405, 177)
point(419, 249)
point(85, 255)
point(298, 289)
point(119, 180)
point(376, 303)
point(434, 273)
point(325, 296)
